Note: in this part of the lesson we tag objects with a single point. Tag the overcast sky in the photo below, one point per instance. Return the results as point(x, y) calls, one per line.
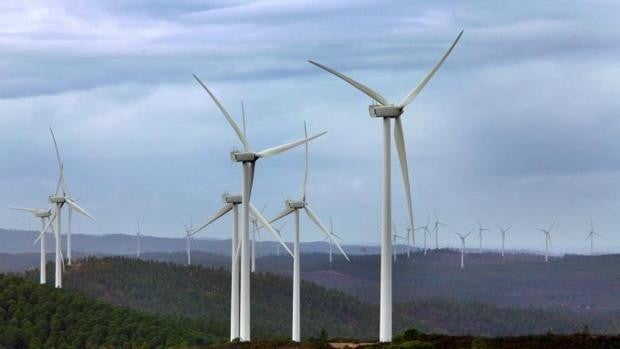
point(520, 126)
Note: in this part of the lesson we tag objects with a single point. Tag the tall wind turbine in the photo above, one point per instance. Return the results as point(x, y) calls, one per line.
point(395, 237)
point(44, 215)
point(188, 238)
point(436, 226)
point(138, 238)
point(248, 158)
point(329, 240)
point(59, 199)
point(388, 111)
point(481, 230)
point(503, 232)
point(463, 237)
point(231, 203)
point(591, 234)
point(295, 206)
point(547, 240)
point(424, 229)
point(255, 234)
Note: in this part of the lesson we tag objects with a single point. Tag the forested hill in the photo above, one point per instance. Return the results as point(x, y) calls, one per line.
point(36, 316)
point(204, 293)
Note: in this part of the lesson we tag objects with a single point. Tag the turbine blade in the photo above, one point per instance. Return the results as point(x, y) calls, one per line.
point(47, 226)
point(231, 121)
point(32, 210)
point(305, 163)
point(266, 224)
point(414, 93)
point(399, 139)
point(56, 148)
point(281, 215)
point(284, 147)
point(76, 207)
point(215, 217)
point(365, 89)
point(318, 223)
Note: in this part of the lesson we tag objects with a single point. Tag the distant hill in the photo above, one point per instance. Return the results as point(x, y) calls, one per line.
point(34, 316)
point(17, 241)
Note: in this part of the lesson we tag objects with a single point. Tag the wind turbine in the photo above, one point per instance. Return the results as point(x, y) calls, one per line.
point(59, 199)
point(248, 158)
point(424, 229)
point(396, 236)
point(295, 206)
point(503, 232)
point(481, 229)
point(328, 239)
point(138, 238)
point(463, 237)
point(44, 215)
point(231, 203)
point(388, 111)
point(436, 229)
point(591, 234)
point(547, 240)
point(255, 234)
point(188, 238)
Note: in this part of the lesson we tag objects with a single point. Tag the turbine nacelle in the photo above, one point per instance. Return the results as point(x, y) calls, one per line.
point(43, 214)
point(57, 199)
point(231, 199)
point(243, 156)
point(385, 111)
point(295, 204)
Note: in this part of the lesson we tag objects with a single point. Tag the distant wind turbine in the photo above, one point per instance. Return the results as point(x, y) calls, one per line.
point(59, 199)
point(462, 237)
point(503, 232)
point(424, 229)
point(255, 233)
point(547, 240)
point(138, 238)
point(591, 234)
point(188, 238)
point(396, 236)
point(388, 111)
point(436, 226)
point(44, 215)
point(481, 230)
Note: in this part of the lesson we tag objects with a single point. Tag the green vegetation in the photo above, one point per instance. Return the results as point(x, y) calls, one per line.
point(37, 316)
point(204, 294)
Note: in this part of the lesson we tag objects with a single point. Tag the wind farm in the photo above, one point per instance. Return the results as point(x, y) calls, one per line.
point(315, 247)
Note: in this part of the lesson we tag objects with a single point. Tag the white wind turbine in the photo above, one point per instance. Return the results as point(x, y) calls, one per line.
point(395, 237)
point(328, 239)
point(424, 229)
point(388, 111)
point(255, 234)
point(231, 203)
point(591, 234)
point(481, 230)
point(503, 232)
point(188, 238)
point(295, 206)
point(436, 226)
point(59, 199)
point(248, 158)
point(44, 215)
point(138, 238)
point(463, 237)
point(547, 240)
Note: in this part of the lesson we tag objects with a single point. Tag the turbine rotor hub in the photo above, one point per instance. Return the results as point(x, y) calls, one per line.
point(384, 111)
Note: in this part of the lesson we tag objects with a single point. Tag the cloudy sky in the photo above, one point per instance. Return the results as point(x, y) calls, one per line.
point(520, 126)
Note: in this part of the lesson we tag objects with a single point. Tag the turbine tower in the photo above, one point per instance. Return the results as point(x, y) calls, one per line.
point(387, 111)
point(295, 206)
point(328, 239)
point(138, 238)
point(59, 199)
point(231, 203)
point(436, 226)
point(547, 240)
point(591, 234)
point(395, 237)
point(463, 237)
point(503, 232)
point(44, 215)
point(255, 233)
point(188, 239)
point(481, 230)
point(248, 158)
point(424, 229)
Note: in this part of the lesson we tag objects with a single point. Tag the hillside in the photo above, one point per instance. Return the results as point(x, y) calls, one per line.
point(35, 316)
point(202, 293)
